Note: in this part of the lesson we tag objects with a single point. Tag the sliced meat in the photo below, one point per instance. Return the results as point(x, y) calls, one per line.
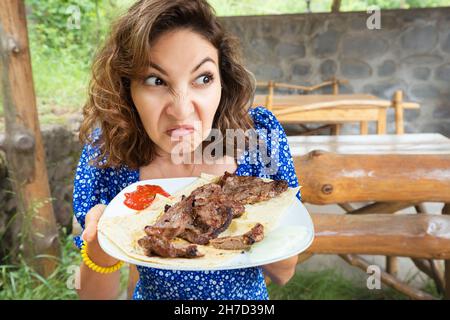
point(166, 232)
point(244, 241)
point(194, 235)
point(210, 221)
point(212, 217)
point(208, 211)
point(176, 215)
point(165, 248)
point(203, 194)
point(236, 207)
point(250, 190)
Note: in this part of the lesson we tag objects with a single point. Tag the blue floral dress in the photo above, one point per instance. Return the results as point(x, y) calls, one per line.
point(93, 185)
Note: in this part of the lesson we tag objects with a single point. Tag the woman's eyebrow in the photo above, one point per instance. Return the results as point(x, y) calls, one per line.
point(157, 67)
point(202, 62)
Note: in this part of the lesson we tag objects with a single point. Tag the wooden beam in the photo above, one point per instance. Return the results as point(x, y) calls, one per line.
point(418, 236)
point(389, 279)
point(391, 262)
point(23, 141)
point(397, 103)
point(341, 178)
point(382, 207)
point(430, 268)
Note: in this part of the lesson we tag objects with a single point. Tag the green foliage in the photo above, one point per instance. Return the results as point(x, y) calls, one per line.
point(260, 7)
point(21, 281)
point(64, 24)
point(64, 35)
point(362, 5)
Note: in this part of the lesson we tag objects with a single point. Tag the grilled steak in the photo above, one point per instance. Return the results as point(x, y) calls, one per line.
point(163, 247)
point(207, 212)
point(250, 190)
point(244, 241)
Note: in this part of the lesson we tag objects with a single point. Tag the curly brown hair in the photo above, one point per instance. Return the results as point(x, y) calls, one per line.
point(124, 56)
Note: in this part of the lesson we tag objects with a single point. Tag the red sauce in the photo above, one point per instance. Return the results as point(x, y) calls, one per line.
point(143, 196)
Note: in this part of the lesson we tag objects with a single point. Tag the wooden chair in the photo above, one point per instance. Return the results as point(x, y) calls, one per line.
point(364, 107)
point(399, 105)
point(333, 82)
point(329, 178)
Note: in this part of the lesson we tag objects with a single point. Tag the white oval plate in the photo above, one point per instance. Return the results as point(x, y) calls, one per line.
point(293, 235)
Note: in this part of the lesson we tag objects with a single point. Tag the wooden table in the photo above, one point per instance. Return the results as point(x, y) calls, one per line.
point(335, 109)
point(421, 143)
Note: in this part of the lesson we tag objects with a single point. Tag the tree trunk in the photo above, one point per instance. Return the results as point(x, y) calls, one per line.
point(23, 143)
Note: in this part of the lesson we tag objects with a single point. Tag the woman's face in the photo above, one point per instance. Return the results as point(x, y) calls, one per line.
point(179, 97)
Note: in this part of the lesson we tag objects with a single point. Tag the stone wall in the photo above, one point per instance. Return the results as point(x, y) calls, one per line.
point(411, 52)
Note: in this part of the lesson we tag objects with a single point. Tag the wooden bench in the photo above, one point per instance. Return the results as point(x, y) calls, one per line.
point(392, 182)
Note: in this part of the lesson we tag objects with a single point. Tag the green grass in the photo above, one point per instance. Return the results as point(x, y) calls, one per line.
point(20, 281)
point(328, 285)
point(60, 82)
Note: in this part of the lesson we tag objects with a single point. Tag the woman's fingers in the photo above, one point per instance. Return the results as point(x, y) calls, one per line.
point(91, 221)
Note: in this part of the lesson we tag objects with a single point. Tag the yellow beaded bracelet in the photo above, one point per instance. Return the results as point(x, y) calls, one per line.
point(96, 267)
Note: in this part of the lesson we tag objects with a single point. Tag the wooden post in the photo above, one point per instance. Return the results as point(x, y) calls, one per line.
point(381, 125)
point(446, 211)
point(23, 141)
point(269, 99)
point(336, 6)
point(392, 265)
point(335, 129)
point(335, 85)
point(363, 128)
point(397, 103)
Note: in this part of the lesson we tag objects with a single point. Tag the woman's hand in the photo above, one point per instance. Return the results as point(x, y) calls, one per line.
point(282, 271)
point(94, 251)
point(94, 285)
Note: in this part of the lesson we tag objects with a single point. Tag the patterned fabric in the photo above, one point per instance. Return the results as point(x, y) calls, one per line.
point(93, 185)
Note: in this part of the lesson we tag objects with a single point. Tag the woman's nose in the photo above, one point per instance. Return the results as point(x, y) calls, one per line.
point(181, 105)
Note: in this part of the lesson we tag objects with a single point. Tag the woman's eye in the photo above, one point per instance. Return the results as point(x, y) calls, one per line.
point(154, 81)
point(204, 79)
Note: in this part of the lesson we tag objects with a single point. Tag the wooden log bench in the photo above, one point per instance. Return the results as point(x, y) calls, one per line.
point(390, 183)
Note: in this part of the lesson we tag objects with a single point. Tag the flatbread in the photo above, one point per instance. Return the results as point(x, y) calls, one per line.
point(125, 231)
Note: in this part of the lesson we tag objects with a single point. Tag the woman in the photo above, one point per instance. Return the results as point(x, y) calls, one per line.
point(167, 76)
